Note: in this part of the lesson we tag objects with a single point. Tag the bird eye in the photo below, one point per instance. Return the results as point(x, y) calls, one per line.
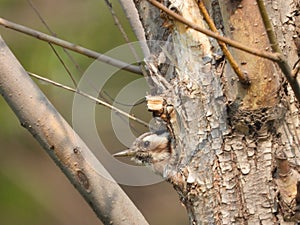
point(146, 144)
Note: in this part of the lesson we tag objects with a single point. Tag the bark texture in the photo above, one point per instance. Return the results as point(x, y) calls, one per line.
point(232, 142)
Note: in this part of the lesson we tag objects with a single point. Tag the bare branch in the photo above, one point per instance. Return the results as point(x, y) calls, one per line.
point(63, 145)
point(99, 101)
point(269, 29)
point(120, 27)
point(296, 68)
point(282, 63)
point(126, 38)
point(52, 47)
point(71, 46)
point(136, 25)
point(64, 65)
point(242, 77)
point(272, 56)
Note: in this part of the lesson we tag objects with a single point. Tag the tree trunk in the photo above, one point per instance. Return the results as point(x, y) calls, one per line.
point(232, 141)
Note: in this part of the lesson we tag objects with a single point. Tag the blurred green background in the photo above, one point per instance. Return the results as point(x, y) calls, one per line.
point(32, 189)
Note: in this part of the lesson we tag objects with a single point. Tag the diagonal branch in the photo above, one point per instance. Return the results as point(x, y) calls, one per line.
point(277, 56)
point(63, 145)
point(126, 38)
point(242, 76)
point(282, 63)
point(52, 47)
point(99, 101)
point(76, 48)
point(136, 25)
point(120, 27)
point(272, 56)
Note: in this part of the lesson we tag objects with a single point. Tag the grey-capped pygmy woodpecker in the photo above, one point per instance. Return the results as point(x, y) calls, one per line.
point(150, 149)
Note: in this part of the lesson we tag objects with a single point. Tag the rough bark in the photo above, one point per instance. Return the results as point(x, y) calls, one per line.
point(227, 135)
point(63, 145)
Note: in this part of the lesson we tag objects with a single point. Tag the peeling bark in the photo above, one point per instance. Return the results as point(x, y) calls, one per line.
point(226, 135)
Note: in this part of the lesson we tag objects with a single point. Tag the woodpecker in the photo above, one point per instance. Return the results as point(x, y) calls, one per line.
point(151, 149)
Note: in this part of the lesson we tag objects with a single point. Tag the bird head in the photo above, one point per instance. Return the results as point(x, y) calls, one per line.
point(149, 148)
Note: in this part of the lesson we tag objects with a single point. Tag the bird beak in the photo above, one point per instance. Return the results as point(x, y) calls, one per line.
point(125, 153)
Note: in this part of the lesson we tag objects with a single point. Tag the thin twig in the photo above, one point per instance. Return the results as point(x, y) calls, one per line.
point(52, 47)
point(55, 35)
point(121, 103)
point(117, 22)
point(120, 27)
point(272, 56)
point(282, 63)
point(125, 36)
point(132, 16)
point(89, 97)
point(64, 65)
point(296, 68)
point(242, 76)
point(76, 48)
point(269, 28)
